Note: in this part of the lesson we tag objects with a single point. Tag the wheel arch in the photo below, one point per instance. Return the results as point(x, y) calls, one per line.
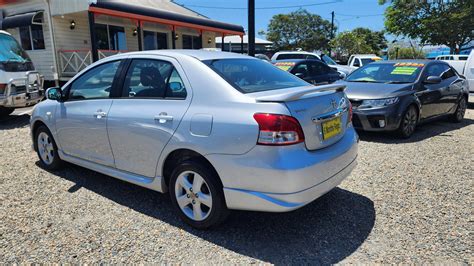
point(177, 156)
point(37, 124)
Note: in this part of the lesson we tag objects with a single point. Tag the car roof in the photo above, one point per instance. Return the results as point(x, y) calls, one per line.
point(198, 54)
point(298, 60)
point(365, 55)
point(295, 52)
point(420, 61)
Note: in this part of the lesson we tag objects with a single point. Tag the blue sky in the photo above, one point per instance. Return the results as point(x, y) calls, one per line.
point(349, 13)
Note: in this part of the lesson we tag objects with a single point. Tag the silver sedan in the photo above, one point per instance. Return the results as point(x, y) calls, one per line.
point(216, 130)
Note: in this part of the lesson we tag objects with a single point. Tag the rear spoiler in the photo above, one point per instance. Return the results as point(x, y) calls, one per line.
point(297, 93)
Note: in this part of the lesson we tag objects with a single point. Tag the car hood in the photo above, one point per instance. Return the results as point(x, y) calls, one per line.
point(362, 90)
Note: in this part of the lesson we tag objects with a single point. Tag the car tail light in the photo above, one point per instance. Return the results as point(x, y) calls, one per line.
point(349, 118)
point(2, 88)
point(278, 129)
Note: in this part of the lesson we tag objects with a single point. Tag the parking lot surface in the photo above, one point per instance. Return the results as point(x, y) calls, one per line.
point(407, 201)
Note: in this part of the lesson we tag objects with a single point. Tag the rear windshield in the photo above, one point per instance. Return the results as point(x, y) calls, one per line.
point(10, 50)
point(250, 75)
point(387, 73)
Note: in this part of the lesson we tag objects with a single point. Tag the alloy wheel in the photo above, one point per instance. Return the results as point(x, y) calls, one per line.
point(45, 148)
point(193, 195)
point(409, 121)
point(461, 109)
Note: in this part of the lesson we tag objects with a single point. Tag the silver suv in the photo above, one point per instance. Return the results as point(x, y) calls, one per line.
point(217, 130)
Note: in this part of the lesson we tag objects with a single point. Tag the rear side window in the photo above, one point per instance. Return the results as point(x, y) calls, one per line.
point(253, 75)
point(95, 83)
point(153, 79)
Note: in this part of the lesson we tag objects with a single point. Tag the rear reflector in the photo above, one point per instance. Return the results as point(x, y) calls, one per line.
point(278, 129)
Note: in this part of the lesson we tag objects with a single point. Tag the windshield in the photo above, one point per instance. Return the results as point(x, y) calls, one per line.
point(328, 60)
point(10, 50)
point(250, 75)
point(387, 73)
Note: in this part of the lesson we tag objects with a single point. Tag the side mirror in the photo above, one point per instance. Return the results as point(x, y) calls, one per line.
point(54, 93)
point(432, 80)
point(300, 75)
point(175, 86)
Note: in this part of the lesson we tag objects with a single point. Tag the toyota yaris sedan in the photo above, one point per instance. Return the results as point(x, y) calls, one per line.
point(398, 95)
point(216, 130)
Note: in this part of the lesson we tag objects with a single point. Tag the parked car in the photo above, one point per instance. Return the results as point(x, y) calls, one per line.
point(397, 95)
point(216, 130)
point(262, 57)
point(310, 70)
point(20, 84)
point(358, 60)
point(285, 55)
point(455, 60)
point(468, 71)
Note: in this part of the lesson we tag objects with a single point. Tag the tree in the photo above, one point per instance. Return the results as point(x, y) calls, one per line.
point(432, 22)
point(397, 52)
point(299, 29)
point(359, 41)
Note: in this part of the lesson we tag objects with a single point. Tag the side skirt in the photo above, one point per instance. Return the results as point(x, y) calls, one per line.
point(143, 181)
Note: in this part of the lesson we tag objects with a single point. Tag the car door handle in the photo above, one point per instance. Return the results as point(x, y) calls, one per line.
point(163, 117)
point(100, 114)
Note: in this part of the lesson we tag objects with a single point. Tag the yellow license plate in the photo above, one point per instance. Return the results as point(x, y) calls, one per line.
point(332, 128)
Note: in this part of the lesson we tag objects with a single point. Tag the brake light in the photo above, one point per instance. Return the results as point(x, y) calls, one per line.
point(349, 118)
point(278, 129)
point(2, 88)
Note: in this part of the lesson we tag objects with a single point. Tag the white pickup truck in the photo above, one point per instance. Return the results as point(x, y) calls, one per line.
point(358, 60)
point(455, 60)
point(20, 84)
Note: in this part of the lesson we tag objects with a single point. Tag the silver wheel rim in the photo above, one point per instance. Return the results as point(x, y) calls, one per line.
point(409, 121)
point(461, 109)
point(193, 195)
point(45, 148)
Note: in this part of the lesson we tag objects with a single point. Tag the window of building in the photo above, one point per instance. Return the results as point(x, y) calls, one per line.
point(31, 37)
point(192, 42)
point(154, 40)
point(109, 37)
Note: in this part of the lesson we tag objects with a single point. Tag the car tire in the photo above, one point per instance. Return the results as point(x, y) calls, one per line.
point(409, 121)
point(4, 111)
point(47, 149)
point(197, 195)
point(458, 115)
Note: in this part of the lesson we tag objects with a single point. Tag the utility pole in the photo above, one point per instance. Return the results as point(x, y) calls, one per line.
point(332, 30)
point(251, 26)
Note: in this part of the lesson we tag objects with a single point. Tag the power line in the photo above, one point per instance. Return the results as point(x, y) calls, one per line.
point(267, 7)
point(359, 16)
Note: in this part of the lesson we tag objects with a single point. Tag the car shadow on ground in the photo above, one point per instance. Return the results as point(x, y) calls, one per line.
point(14, 121)
point(441, 128)
point(323, 232)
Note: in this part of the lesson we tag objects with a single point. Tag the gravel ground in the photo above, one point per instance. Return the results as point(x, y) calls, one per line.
point(407, 201)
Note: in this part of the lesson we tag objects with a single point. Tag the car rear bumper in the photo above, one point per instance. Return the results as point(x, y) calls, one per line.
point(280, 179)
point(380, 119)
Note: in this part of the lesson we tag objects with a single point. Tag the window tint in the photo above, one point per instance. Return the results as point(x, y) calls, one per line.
point(436, 70)
point(319, 69)
point(301, 68)
point(31, 37)
point(153, 79)
point(463, 58)
point(253, 75)
point(448, 73)
point(95, 83)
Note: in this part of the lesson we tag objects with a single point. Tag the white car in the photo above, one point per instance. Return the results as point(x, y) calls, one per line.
point(358, 60)
point(461, 57)
point(285, 55)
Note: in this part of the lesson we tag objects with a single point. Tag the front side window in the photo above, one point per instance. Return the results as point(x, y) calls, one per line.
point(253, 75)
point(153, 79)
point(319, 69)
point(95, 83)
point(31, 37)
point(436, 70)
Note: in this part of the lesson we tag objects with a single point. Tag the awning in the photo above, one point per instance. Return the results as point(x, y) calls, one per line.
point(120, 9)
point(20, 20)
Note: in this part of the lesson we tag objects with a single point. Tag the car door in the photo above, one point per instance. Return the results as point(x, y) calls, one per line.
point(81, 117)
point(140, 123)
point(434, 98)
point(454, 88)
